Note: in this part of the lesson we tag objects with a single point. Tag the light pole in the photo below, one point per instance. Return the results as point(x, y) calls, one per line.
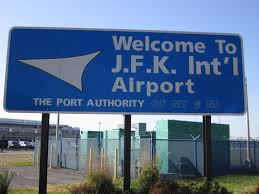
point(248, 156)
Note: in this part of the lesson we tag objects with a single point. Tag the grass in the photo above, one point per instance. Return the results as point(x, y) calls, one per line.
point(236, 184)
point(16, 158)
point(23, 191)
point(52, 189)
point(239, 183)
point(19, 163)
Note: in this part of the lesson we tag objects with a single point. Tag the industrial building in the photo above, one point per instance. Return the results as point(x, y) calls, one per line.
point(178, 145)
point(29, 130)
point(113, 139)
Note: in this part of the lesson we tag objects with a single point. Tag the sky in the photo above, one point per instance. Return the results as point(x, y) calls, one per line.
point(232, 16)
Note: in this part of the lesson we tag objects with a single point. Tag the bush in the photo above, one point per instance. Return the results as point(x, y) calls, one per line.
point(256, 191)
point(135, 185)
point(97, 185)
point(5, 179)
point(169, 187)
point(101, 182)
point(151, 183)
point(202, 187)
point(205, 187)
point(81, 189)
point(149, 175)
point(164, 187)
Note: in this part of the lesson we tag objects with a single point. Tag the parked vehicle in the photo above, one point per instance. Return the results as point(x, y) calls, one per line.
point(3, 144)
point(13, 144)
point(22, 144)
point(29, 145)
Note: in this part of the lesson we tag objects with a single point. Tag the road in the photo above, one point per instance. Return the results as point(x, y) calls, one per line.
point(12, 156)
point(28, 176)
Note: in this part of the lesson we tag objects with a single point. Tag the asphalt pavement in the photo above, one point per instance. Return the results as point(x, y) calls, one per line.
point(28, 176)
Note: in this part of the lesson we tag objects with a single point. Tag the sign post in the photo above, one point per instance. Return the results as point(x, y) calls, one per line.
point(127, 151)
point(44, 143)
point(207, 147)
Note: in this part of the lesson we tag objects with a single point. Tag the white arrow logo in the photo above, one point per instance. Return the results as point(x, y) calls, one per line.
point(68, 69)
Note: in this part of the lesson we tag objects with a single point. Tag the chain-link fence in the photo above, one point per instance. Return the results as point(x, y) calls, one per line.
point(178, 158)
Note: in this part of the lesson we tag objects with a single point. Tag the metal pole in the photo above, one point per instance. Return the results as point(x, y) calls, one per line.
point(77, 150)
point(151, 145)
point(120, 154)
point(248, 154)
point(90, 162)
point(44, 153)
point(61, 149)
point(57, 128)
point(115, 168)
point(207, 147)
point(133, 153)
point(127, 149)
point(195, 152)
point(99, 138)
point(57, 137)
point(195, 148)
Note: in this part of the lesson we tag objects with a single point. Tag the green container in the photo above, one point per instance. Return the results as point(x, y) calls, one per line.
point(181, 134)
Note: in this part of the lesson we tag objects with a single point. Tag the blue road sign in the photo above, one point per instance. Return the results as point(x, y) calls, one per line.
point(124, 71)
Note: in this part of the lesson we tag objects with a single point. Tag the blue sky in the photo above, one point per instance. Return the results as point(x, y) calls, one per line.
point(232, 16)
